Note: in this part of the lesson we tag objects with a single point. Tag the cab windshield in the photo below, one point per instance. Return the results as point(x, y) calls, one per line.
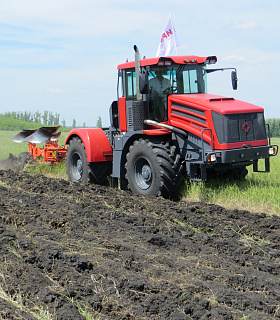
point(177, 79)
point(165, 80)
point(180, 79)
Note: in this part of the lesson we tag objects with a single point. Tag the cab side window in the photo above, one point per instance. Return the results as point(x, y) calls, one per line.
point(129, 84)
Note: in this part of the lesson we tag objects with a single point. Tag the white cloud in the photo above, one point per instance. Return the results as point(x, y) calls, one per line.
point(246, 25)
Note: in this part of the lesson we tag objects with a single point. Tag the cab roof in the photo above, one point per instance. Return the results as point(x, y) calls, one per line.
point(170, 60)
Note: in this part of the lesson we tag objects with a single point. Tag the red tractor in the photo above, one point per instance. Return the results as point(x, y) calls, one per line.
point(165, 127)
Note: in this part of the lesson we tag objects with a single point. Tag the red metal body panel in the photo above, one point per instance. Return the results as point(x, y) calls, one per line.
point(96, 143)
point(201, 117)
point(153, 61)
point(122, 114)
point(239, 145)
point(216, 103)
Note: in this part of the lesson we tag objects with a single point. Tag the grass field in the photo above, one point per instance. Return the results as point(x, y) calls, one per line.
point(260, 192)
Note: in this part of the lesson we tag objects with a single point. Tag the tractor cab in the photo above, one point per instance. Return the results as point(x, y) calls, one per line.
point(156, 79)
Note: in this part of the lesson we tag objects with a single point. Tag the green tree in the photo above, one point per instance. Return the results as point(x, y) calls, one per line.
point(21, 116)
point(74, 123)
point(56, 119)
point(50, 118)
point(99, 122)
point(45, 117)
point(37, 117)
point(274, 127)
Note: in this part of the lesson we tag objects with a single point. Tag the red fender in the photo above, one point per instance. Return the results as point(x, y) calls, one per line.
point(96, 143)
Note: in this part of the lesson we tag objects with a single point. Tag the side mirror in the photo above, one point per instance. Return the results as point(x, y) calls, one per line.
point(114, 114)
point(234, 80)
point(143, 82)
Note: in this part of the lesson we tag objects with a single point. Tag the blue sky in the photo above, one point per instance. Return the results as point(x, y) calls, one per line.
point(62, 56)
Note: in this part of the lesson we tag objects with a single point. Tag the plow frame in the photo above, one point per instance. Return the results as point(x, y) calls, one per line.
point(50, 153)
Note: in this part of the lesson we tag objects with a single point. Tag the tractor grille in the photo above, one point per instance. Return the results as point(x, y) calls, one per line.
point(239, 127)
point(135, 115)
point(188, 112)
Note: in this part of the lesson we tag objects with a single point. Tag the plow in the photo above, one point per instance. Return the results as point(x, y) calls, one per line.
point(51, 152)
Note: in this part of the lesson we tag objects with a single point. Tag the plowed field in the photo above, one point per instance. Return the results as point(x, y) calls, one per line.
point(80, 251)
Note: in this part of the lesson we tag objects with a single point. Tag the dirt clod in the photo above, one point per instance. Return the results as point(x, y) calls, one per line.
point(68, 251)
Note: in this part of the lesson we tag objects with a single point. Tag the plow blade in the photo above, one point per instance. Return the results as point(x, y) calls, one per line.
point(37, 136)
point(55, 136)
point(19, 138)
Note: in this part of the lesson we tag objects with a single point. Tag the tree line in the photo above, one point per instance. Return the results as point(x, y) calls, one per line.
point(274, 127)
point(46, 117)
point(18, 120)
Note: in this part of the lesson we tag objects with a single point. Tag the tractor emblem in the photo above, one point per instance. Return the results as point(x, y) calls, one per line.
point(246, 127)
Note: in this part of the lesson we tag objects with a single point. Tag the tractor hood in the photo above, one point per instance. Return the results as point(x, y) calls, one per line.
point(209, 115)
point(209, 102)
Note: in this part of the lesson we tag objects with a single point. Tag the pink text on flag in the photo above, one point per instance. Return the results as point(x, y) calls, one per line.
point(166, 34)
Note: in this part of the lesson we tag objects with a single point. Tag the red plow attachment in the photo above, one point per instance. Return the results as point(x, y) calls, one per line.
point(51, 152)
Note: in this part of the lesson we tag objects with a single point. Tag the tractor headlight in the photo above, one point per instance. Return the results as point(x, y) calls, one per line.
point(272, 151)
point(211, 157)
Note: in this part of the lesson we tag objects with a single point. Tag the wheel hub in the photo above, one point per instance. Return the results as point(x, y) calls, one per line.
point(146, 172)
point(77, 165)
point(143, 173)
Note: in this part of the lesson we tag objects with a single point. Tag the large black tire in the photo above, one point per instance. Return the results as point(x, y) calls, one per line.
point(153, 168)
point(80, 170)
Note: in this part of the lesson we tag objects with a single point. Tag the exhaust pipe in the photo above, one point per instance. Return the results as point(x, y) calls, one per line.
point(166, 126)
point(137, 71)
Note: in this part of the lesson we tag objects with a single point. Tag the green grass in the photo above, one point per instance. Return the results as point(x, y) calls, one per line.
point(260, 192)
point(8, 146)
point(49, 170)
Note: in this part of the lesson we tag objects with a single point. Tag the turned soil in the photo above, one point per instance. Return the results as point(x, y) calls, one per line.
point(81, 251)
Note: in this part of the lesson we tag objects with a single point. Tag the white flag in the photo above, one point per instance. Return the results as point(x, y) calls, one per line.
point(168, 41)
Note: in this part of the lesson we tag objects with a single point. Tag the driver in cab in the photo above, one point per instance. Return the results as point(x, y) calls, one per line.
point(159, 88)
